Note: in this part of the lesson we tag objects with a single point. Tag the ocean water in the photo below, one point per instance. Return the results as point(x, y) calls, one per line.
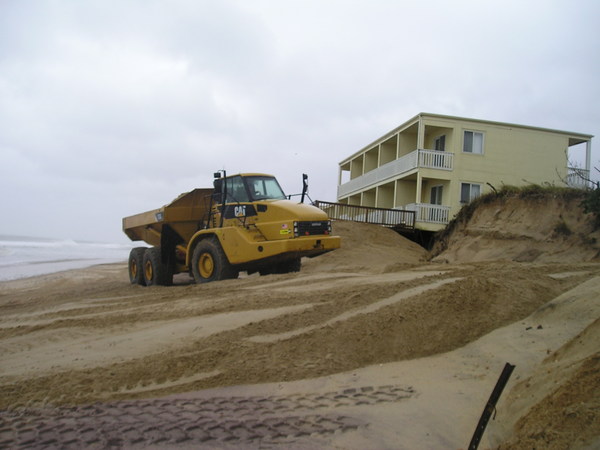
point(22, 257)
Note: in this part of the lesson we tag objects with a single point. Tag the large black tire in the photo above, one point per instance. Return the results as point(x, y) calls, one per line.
point(209, 262)
point(136, 266)
point(156, 273)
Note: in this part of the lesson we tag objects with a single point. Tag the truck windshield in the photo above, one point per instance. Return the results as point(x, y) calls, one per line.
point(263, 188)
point(236, 192)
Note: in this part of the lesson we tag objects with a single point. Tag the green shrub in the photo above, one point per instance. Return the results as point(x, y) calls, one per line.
point(591, 204)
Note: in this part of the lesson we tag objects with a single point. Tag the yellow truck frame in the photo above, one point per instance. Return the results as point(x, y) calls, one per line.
point(244, 223)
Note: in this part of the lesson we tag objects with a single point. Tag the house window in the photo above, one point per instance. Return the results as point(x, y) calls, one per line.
point(440, 143)
point(436, 195)
point(469, 191)
point(473, 142)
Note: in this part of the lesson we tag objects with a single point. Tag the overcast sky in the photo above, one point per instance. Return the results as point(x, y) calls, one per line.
point(113, 107)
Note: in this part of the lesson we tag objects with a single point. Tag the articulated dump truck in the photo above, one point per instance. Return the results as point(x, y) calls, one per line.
point(245, 223)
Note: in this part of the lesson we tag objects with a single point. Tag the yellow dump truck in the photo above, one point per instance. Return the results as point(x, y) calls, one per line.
point(244, 223)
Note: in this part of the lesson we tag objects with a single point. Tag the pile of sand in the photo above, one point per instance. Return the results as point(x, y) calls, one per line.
point(369, 249)
point(372, 313)
point(545, 228)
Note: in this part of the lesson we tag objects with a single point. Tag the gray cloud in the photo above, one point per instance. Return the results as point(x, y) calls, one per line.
point(111, 108)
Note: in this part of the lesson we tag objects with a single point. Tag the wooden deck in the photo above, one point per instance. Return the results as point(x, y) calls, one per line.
point(393, 218)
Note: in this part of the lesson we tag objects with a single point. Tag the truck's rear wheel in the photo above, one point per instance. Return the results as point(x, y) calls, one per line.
point(156, 273)
point(209, 262)
point(136, 266)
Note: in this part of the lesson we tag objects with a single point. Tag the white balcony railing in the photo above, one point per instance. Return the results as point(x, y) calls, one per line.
point(578, 178)
point(426, 212)
point(431, 159)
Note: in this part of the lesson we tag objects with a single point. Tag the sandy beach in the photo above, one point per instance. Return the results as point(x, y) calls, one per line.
point(374, 345)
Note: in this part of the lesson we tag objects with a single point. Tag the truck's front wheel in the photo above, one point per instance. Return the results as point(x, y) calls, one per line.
point(209, 262)
point(155, 271)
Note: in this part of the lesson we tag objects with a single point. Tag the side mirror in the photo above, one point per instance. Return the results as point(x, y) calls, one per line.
point(217, 175)
point(304, 186)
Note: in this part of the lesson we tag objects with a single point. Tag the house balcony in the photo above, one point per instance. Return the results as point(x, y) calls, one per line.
point(428, 213)
point(578, 178)
point(430, 159)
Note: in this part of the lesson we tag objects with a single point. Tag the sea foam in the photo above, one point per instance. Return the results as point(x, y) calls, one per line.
point(22, 257)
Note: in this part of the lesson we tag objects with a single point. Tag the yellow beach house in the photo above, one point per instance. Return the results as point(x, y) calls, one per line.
point(433, 164)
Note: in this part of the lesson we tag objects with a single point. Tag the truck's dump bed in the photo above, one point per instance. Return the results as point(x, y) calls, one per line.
point(183, 215)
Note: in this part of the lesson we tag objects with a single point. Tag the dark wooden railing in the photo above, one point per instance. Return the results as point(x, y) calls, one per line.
point(393, 218)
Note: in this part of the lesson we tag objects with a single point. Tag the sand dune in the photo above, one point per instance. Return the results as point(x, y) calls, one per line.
point(372, 314)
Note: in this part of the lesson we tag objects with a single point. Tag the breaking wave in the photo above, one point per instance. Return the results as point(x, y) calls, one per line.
point(22, 257)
